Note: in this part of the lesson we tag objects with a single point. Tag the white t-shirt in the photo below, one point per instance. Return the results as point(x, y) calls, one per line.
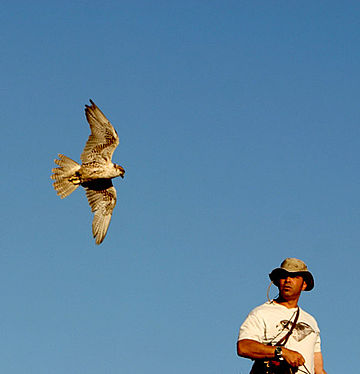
point(267, 324)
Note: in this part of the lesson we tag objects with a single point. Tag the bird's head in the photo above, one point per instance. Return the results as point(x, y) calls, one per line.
point(120, 170)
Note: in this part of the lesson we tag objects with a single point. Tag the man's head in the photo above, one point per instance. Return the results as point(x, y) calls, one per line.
point(292, 268)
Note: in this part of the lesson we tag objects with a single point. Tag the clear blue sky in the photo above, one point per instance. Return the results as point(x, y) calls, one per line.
point(239, 133)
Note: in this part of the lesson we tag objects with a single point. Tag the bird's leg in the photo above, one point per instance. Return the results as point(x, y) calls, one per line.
point(75, 179)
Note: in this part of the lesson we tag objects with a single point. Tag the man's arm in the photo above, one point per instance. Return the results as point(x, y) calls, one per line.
point(252, 349)
point(319, 363)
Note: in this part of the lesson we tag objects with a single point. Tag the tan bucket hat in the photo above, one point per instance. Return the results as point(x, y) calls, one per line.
point(293, 266)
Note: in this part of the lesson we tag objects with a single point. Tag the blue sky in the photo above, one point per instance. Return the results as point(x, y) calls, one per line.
point(239, 132)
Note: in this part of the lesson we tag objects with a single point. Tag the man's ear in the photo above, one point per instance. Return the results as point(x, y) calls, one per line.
point(304, 286)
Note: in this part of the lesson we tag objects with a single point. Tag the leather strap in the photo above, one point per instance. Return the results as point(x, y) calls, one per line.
point(284, 340)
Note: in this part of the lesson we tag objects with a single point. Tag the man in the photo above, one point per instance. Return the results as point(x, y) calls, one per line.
point(278, 335)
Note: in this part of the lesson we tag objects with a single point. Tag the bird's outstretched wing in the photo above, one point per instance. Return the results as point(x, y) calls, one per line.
point(101, 196)
point(103, 138)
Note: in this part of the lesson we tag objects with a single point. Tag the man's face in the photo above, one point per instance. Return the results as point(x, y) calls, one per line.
point(290, 287)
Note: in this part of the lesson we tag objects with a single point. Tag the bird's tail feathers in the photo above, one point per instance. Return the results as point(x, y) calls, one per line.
point(65, 176)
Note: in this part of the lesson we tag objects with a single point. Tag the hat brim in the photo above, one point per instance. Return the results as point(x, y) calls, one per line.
point(279, 273)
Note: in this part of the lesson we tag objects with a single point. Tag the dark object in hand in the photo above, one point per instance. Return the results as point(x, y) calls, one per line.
point(272, 367)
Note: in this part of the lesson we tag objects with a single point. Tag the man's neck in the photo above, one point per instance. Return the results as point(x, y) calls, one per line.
point(293, 303)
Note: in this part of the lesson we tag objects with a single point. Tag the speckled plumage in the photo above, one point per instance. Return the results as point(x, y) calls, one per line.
point(95, 172)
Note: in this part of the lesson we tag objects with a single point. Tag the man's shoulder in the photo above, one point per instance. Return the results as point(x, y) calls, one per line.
point(307, 316)
point(271, 309)
point(268, 312)
point(267, 306)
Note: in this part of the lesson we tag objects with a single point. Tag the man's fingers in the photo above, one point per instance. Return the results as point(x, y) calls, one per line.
point(294, 358)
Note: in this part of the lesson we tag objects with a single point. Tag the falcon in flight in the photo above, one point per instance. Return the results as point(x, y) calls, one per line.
point(95, 172)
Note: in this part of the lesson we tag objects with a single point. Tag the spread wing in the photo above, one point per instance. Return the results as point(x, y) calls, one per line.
point(103, 138)
point(101, 196)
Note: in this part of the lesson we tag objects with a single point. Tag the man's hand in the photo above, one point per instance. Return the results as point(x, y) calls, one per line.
point(293, 358)
point(253, 349)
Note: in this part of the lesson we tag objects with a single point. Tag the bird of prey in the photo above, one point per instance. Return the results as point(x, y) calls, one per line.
point(95, 172)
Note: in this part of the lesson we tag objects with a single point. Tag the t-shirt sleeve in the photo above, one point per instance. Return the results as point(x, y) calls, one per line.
point(317, 347)
point(252, 328)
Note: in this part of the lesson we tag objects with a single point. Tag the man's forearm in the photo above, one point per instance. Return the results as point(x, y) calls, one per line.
point(253, 349)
